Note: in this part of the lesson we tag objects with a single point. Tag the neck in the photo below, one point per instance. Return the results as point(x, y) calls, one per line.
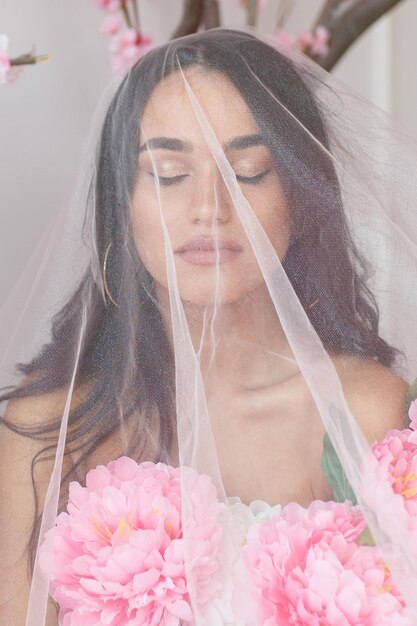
point(240, 343)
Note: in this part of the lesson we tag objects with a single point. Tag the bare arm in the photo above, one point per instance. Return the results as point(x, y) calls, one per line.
point(375, 394)
point(17, 500)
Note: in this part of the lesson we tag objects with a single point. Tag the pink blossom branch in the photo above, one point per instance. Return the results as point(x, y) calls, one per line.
point(126, 14)
point(284, 10)
point(251, 12)
point(346, 20)
point(29, 59)
point(135, 4)
point(191, 19)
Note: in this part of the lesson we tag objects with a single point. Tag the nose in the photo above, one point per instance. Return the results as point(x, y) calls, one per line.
point(211, 202)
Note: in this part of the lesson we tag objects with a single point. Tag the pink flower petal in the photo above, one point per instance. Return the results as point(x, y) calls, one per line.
point(145, 581)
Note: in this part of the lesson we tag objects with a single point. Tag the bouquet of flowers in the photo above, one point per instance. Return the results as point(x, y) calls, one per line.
point(118, 555)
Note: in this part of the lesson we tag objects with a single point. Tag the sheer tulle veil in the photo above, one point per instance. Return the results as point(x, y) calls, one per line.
point(231, 292)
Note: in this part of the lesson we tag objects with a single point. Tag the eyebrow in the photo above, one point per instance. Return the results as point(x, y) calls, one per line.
point(180, 145)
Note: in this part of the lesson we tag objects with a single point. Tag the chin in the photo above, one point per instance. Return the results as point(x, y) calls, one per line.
point(206, 294)
point(206, 287)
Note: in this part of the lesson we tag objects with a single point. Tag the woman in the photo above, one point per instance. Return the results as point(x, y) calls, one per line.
point(217, 307)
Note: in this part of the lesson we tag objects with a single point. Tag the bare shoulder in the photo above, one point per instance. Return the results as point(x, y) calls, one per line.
point(38, 409)
point(375, 394)
point(42, 413)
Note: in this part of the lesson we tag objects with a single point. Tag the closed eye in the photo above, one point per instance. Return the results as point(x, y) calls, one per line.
point(252, 180)
point(169, 180)
point(172, 180)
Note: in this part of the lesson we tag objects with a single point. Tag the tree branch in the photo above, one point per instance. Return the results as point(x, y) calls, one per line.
point(211, 14)
point(192, 16)
point(30, 58)
point(346, 20)
point(251, 12)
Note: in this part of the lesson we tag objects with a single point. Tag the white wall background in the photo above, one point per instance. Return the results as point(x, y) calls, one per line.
point(45, 116)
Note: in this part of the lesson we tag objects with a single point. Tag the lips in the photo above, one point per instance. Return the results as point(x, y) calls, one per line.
point(206, 250)
point(208, 244)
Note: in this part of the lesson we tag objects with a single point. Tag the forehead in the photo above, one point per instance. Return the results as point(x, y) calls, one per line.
point(170, 111)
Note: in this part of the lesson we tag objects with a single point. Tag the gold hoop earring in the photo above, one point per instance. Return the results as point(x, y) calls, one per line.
point(106, 287)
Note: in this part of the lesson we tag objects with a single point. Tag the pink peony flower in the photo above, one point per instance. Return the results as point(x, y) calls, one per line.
point(306, 568)
point(389, 483)
point(126, 49)
point(4, 59)
point(118, 555)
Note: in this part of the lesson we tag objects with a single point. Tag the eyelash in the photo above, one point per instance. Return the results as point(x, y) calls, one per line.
point(253, 180)
point(249, 180)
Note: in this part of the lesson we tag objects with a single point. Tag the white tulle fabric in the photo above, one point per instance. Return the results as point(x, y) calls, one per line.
point(333, 150)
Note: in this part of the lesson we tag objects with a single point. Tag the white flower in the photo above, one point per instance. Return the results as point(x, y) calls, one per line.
point(244, 516)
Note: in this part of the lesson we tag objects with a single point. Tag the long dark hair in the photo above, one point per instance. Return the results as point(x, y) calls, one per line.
point(322, 262)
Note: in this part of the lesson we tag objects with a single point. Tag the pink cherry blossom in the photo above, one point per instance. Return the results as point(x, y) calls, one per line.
point(117, 556)
point(284, 39)
point(14, 74)
point(305, 567)
point(317, 43)
point(126, 48)
point(320, 43)
point(109, 5)
point(111, 24)
point(305, 39)
point(4, 59)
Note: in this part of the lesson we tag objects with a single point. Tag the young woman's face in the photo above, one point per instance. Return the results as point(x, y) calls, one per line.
point(179, 184)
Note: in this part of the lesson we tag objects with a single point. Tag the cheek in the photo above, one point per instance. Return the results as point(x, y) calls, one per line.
point(148, 236)
point(278, 228)
point(271, 209)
